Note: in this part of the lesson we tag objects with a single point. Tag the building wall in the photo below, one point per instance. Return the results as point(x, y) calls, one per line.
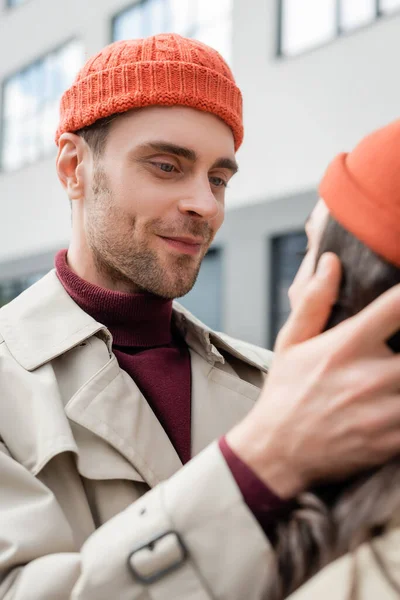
point(34, 209)
point(299, 113)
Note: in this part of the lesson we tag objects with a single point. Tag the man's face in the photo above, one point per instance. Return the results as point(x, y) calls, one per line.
point(156, 197)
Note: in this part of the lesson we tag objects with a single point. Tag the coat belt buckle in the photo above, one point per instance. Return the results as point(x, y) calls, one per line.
point(158, 557)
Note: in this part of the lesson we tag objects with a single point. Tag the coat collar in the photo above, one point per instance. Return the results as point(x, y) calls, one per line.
point(44, 322)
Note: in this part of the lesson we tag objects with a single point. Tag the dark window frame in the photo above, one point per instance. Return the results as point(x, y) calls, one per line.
point(340, 32)
point(25, 68)
point(275, 271)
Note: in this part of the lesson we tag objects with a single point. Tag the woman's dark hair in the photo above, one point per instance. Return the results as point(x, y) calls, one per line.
point(330, 520)
point(365, 274)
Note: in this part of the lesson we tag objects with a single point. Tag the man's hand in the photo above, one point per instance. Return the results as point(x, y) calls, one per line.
point(331, 403)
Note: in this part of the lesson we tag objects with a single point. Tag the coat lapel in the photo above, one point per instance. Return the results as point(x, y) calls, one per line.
point(112, 407)
point(219, 400)
point(116, 432)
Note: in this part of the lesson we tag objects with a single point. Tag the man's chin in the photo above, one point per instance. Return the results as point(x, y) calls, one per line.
point(168, 277)
point(175, 290)
point(176, 286)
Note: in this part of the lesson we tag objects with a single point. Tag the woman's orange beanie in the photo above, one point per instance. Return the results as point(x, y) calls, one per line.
point(362, 191)
point(164, 69)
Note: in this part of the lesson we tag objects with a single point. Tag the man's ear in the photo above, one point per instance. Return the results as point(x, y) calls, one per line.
point(70, 164)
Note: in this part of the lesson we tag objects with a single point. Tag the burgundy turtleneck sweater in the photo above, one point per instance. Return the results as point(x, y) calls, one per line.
point(145, 342)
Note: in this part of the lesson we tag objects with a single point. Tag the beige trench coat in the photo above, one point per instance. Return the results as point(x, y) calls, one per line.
point(94, 504)
point(335, 582)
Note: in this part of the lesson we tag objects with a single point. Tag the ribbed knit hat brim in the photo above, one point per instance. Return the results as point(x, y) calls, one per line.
point(362, 191)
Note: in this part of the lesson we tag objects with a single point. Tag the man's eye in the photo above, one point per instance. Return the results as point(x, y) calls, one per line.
point(166, 167)
point(218, 182)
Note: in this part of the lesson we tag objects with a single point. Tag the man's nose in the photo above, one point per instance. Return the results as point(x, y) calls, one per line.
point(201, 201)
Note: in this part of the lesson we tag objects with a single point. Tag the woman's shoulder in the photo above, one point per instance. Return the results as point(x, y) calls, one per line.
point(360, 571)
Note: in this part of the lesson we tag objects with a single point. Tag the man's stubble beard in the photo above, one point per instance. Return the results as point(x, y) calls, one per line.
point(126, 261)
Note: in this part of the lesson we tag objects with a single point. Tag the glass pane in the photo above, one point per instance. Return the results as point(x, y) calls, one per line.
point(40, 81)
point(49, 83)
point(205, 299)
point(30, 147)
point(11, 157)
point(31, 279)
point(27, 97)
point(356, 13)
point(181, 16)
point(21, 103)
point(16, 103)
point(286, 260)
point(213, 12)
point(388, 6)
point(129, 24)
point(218, 36)
point(306, 24)
point(15, 2)
point(155, 17)
point(47, 121)
point(33, 80)
point(30, 109)
point(10, 289)
point(69, 60)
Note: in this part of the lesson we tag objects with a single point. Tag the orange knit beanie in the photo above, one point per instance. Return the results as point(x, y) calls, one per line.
point(164, 69)
point(362, 191)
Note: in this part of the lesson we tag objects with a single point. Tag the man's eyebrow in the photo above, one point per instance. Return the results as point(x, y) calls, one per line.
point(226, 163)
point(160, 146)
point(188, 153)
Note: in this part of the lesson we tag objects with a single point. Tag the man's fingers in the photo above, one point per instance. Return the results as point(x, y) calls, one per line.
point(379, 320)
point(388, 376)
point(387, 446)
point(383, 415)
point(311, 313)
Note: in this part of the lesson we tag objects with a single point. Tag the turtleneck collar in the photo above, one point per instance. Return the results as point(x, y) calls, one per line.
point(135, 320)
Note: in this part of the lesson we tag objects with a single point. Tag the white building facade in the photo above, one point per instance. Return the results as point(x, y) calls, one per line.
point(316, 76)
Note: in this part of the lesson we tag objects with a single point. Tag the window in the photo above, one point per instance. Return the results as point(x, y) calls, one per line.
point(205, 299)
point(389, 6)
point(11, 3)
point(356, 13)
point(209, 21)
point(11, 288)
point(31, 105)
point(306, 24)
point(287, 254)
